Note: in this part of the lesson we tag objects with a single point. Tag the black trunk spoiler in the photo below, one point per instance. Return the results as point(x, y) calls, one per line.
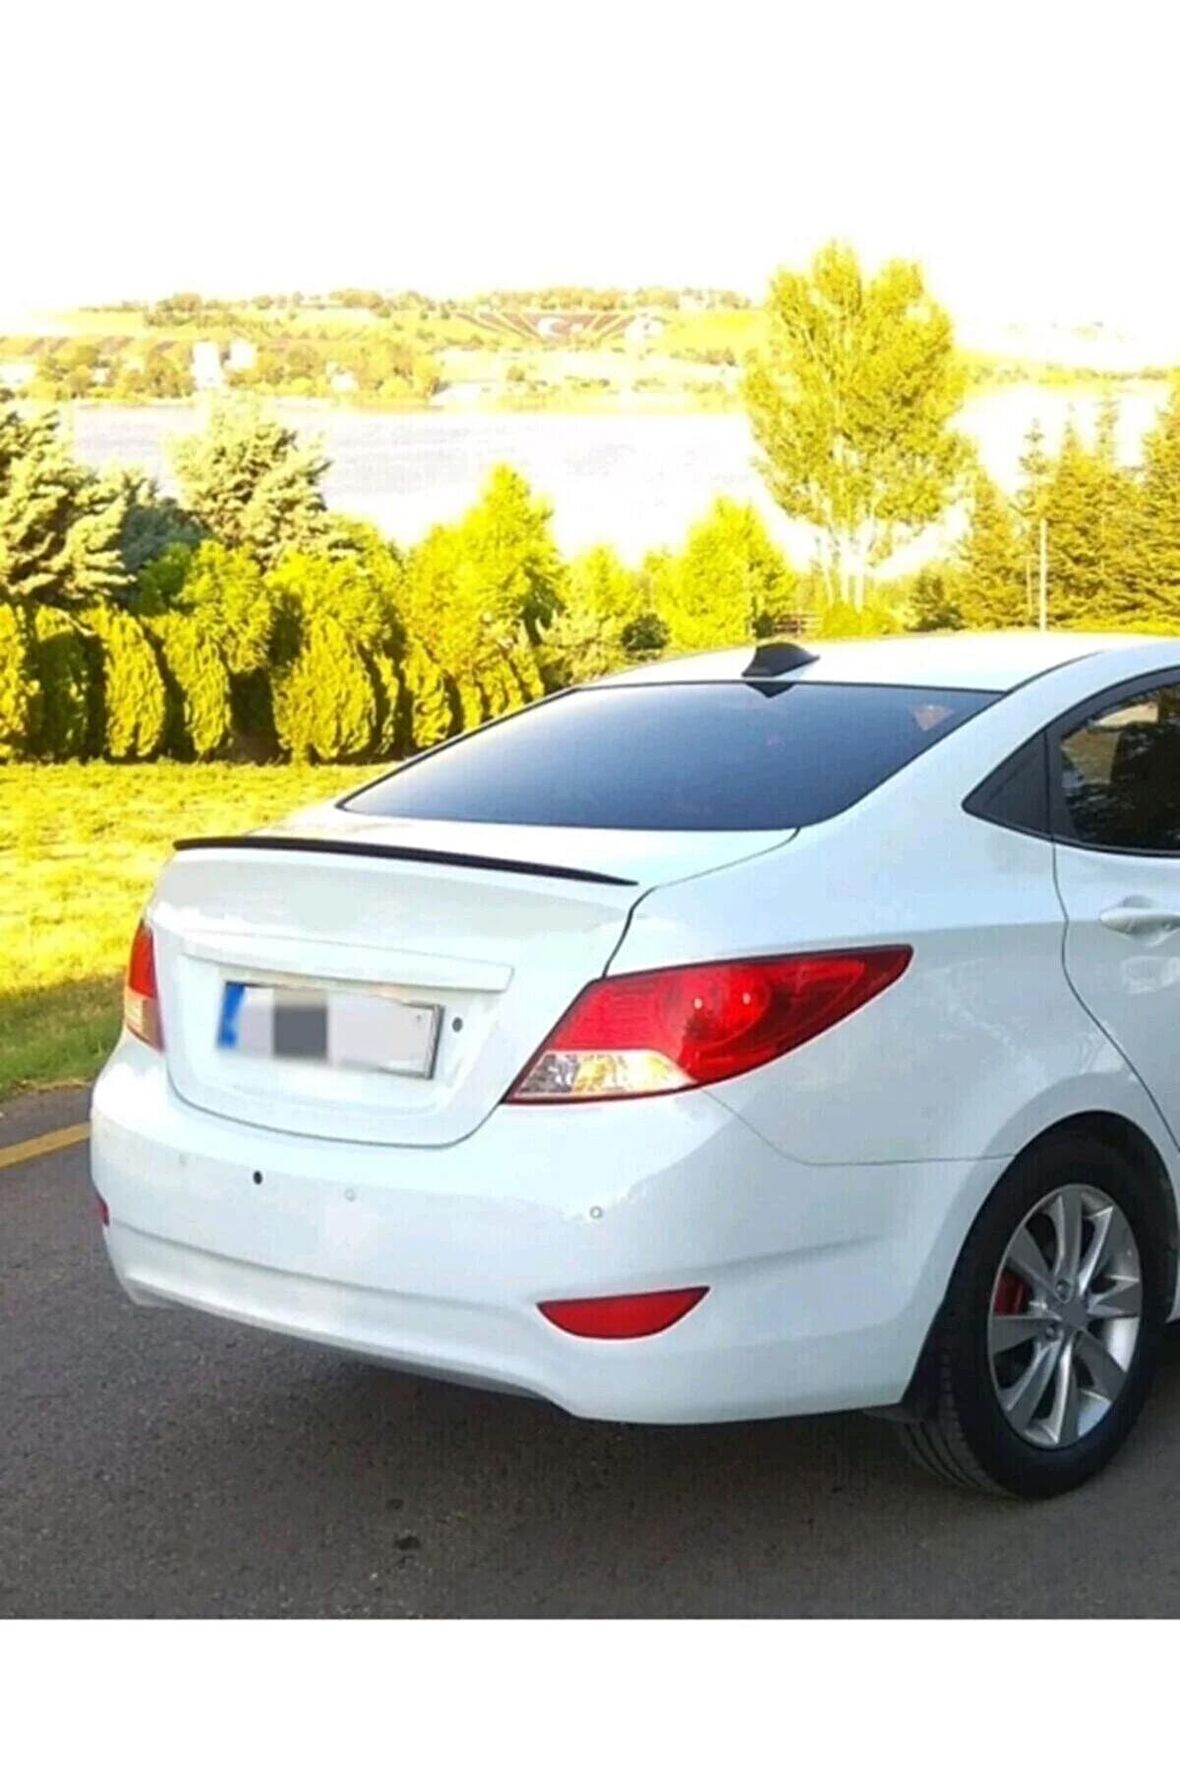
point(380, 851)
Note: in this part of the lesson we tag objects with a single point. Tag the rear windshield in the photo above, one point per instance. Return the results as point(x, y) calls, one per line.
point(677, 756)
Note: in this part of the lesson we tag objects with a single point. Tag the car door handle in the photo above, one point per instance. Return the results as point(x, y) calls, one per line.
point(1142, 921)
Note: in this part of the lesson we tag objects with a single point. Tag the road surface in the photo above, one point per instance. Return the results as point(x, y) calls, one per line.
point(158, 1463)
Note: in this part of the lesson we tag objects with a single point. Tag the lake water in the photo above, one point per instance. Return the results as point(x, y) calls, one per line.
point(636, 480)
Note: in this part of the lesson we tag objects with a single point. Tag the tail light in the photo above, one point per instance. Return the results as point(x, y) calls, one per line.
point(659, 1032)
point(141, 1002)
point(623, 1318)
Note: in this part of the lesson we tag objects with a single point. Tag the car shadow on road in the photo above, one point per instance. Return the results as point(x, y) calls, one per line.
point(189, 1467)
point(448, 1500)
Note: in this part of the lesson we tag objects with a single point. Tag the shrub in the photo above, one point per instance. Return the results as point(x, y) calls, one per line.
point(133, 704)
point(325, 705)
point(933, 604)
point(429, 716)
point(226, 592)
point(19, 697)
point(839, 620)
point(199, 719)
point(66, 666)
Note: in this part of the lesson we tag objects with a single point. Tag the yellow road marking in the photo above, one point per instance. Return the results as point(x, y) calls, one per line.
point(15, 1153)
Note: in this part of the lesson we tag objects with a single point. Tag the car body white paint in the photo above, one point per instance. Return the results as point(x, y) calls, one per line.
point(823, 1198)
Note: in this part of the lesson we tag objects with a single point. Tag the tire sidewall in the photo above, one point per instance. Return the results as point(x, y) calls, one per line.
point(1017, 1466)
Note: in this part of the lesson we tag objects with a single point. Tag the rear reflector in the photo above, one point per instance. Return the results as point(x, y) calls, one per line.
point(104, 1215)
point(141, 1002)
point(658, 1032)
point(622, 1318)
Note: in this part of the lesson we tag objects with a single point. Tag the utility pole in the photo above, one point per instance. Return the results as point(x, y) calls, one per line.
point(1043, 606)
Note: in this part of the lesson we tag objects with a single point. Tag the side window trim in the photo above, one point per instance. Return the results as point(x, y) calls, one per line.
point(1060, 824)
point(998, 797)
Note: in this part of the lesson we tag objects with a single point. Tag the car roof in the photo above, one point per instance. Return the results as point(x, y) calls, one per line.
point(989, 661)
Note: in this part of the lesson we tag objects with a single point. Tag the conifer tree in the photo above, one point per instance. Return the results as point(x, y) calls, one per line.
point(325, 707)
point(65, 665)
point(1086, 510)
point(336, 697)
point(60, 523)
point(428, 714)
point(199, 716)
point(19, 695)
point(992, 591)
point(252, 484)
point(585, 639)
point(389, 711)
point(152, 522)
point(480, 595)
point(508, 546)
point(729, 582)
point(223, 591)
point(934, 602)
point(133, 702)
point(1153, 549)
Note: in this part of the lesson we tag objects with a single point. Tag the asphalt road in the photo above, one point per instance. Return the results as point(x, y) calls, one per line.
point(157, 1463)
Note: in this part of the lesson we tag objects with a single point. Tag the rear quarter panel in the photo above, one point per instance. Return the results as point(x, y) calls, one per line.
point(981, 1044)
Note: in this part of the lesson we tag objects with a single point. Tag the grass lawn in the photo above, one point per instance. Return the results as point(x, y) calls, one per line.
point(80, 846)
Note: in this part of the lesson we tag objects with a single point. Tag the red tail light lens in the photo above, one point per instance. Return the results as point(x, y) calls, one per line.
point(141, 1002)
point(623, 1318)
point(658, 1032)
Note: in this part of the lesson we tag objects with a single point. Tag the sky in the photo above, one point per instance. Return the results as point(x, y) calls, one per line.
point(1026, 154)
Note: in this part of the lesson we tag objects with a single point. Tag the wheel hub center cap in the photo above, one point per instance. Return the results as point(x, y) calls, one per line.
point(1073, 1313)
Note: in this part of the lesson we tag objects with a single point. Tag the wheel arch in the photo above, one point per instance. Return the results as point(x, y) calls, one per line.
point(1125, 1138)
point(1132, 1142)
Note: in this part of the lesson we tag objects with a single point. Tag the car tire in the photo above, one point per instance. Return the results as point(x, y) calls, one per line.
point(1041, 1416)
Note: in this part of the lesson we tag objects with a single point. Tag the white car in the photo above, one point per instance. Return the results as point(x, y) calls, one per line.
point(756, 1034)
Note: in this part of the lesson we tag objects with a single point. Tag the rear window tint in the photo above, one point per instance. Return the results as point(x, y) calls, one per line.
point(677, 756)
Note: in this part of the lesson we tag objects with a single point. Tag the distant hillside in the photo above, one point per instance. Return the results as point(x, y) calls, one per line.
point(561, 348)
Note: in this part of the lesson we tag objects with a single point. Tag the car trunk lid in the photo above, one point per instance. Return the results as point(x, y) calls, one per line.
point(495, 927)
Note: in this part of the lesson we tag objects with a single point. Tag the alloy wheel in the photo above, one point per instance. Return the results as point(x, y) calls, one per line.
point(1065, 1315)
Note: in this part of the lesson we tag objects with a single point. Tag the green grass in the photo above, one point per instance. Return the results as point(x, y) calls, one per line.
point(80, 847)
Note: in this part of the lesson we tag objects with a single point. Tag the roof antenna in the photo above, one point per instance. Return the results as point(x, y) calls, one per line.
point(776, 657)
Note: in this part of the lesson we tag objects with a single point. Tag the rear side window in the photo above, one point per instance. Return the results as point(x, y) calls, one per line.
point(678, 756)
point(1120, 775)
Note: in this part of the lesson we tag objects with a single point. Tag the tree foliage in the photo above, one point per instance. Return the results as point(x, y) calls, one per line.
point(481, 594)
point(337, 695)
point(129, 627)
point(1152, 533)
point(728, 586)
point(992, 590)
point(252, 485)
point(851, 405)
point(199, 703)
point(585, 638)
point(325, 707)
point(151, 523)
point(934, 602)
point(66, 669)
point(60, 524)
point(224, 592)
point(429, 712)
point(133, 704)
point(19, 689)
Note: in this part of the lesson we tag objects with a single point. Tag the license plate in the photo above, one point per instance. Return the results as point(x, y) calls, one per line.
point(353, 1029)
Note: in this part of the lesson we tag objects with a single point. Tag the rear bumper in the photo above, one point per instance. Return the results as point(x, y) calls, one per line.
point(822, 1280)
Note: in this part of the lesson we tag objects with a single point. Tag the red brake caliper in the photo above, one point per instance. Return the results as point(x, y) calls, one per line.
point(1012, 1293)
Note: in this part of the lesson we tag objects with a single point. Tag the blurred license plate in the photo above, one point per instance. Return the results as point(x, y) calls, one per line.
point(355, 1029)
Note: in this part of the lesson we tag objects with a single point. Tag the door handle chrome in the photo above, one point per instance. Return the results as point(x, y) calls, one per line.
point(1140, 921)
